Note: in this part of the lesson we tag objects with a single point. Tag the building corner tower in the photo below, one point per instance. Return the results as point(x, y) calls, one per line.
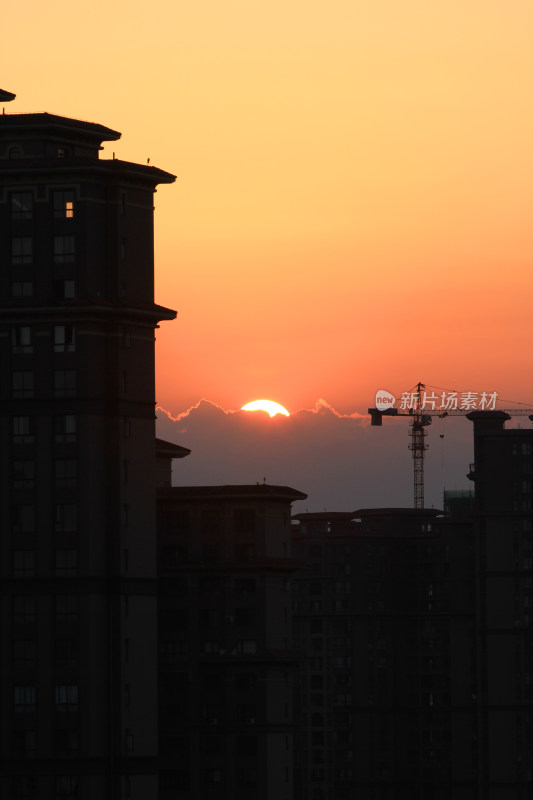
point(78, 702)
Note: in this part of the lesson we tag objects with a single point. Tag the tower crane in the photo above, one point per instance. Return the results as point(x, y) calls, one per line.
point(413, 405)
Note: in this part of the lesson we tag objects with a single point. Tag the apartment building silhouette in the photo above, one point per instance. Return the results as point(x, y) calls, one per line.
point(77, 464)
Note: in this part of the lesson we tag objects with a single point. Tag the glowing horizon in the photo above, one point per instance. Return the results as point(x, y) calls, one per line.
point(353, 204)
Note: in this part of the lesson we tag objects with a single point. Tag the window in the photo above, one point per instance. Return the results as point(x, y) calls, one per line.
point(21, 250)
point(245, 776)
point(244, 519)
point(22, 289)
point(66, 698)
point(65, 472)
point(23, 519)
point(21, 339)
point(64, 249)
point(22, 430)
point(67, 608)
point(246, 680)
point(23, 609)
point(245, 586)
point(24, 699)
point(21, 205)
point(23, 474)
point(24, 786)
point(66, 651)
point(64, 338)
point(64, 383)
point(66, 787)
point(23, 743)
point(23, 654)
point(67, 742)
point(66, 516)
point(64, 204)
point(23, 564)
point(244, 552)
point(247, 646)
point(22, 384)
point(66, 563)
point(64, 290)
point(65, 428)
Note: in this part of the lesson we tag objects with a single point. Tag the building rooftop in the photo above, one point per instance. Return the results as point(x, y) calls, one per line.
point(259, 491)
point(166, 449)
point(53, 122)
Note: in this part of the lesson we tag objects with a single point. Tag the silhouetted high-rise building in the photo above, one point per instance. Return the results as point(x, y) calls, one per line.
point(226, 658)
point(503, 477)
point(383, 620)
point(77, 464)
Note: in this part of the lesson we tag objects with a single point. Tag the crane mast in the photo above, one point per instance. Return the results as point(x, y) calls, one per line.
point(418, 446)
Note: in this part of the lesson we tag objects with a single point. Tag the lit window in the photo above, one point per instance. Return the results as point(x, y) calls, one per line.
point(64, 204)
point(23, 474)
point(67, 698)
point(64, 383)
point(21, 339)
point(64, 249)
point(22, 384)
point(66, 563)
point(21, 205)
point(23, 520)
point(21, 250)
point(23, 564)
point(64, 338)
point(65, 428)
point(24, 699)
point(22, 289)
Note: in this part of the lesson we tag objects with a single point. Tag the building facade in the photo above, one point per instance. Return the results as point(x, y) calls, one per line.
point(77, 464)
point(226, 658)
point(384, 624)
point(502, 473)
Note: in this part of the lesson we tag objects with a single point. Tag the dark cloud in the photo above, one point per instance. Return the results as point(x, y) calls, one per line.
point(339, 460)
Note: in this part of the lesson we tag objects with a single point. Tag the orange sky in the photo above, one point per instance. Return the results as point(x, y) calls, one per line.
point(354, 200)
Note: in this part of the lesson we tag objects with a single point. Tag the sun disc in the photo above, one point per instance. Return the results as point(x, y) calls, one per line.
point(269, 406)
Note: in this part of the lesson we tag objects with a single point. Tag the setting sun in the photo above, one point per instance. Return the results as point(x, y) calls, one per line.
point(265, 405)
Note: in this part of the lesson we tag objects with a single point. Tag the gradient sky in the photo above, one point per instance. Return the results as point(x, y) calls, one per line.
point(354, 201)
